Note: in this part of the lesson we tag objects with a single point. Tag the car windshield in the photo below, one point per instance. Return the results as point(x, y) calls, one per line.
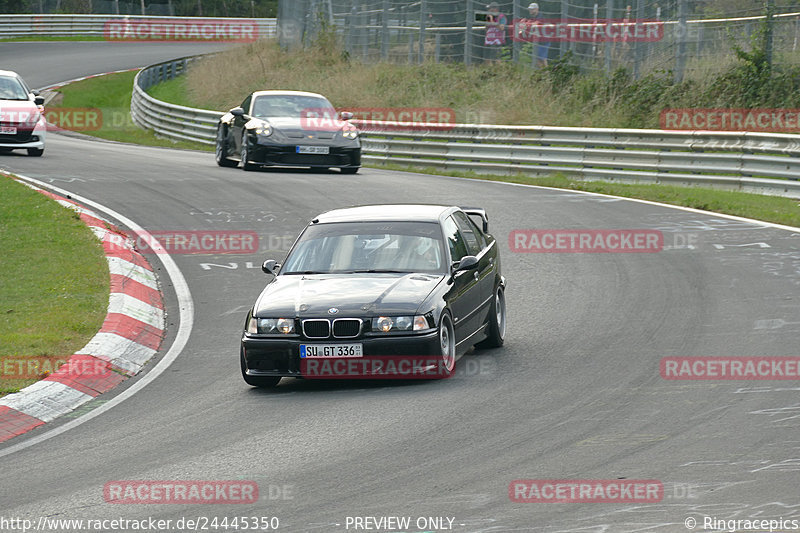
point(12, 89)
point(291, 105)
point(370, 247)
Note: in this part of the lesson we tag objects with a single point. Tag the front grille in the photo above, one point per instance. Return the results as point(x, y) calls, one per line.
point(317, 329)
point(23, 134)
point(344, 328)
point(311, 159)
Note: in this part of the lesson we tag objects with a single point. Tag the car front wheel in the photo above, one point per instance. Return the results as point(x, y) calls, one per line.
point(35, 152)
point(447, 345)
point(221, 149)
point(246, 165)
point(497, 321)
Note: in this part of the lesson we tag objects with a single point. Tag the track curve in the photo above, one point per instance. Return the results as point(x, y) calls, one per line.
point(575, 393)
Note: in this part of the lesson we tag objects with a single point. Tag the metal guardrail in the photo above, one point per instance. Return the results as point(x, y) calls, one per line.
point(753, 162)
point(94, 25)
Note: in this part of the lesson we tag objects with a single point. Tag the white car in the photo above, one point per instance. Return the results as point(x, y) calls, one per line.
point(22, 121)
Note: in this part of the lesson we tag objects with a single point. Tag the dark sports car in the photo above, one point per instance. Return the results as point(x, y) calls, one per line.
point(287, 128)
point(377, 283)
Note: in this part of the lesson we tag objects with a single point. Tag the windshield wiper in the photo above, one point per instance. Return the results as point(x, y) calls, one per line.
point(306, 272)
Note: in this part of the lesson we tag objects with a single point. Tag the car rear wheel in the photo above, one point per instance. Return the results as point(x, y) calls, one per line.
point(221, 149)
point(256, 381)
point(447, 344)
point(246, 165)
point(35, 152)
point(497, 321)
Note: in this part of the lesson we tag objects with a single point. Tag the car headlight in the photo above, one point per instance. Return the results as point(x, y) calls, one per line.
point(264, 130)
point(386, 324)
point(349, 132)
point(271, 326)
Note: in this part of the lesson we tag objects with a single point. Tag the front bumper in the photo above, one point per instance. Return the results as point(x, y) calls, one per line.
point(35, 140)
point(287, 156)
point(270, 356)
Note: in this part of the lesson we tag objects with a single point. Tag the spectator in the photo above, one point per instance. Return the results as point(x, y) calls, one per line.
point(495, 31)
point(526, 32)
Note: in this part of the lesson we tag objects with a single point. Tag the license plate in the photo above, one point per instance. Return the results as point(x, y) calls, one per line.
point(313, 150)
point(325, 351)
point(9, 130)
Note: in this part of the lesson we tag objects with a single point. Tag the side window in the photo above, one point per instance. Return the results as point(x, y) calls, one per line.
point(455, 241)
point(246, 105)
point(472, 235)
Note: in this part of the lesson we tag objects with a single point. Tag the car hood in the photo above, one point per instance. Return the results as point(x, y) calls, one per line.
point(297, 124)
point(354, 295)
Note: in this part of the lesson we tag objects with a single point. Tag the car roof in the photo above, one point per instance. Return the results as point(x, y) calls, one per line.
point(285, 93)
point(384, 212)
point(9, 73)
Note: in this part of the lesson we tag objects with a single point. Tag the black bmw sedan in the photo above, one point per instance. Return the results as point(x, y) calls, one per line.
point(287, 128)
point(371, 291)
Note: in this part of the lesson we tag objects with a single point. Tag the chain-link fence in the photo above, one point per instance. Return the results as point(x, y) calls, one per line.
point(692, 36)
point(178, 8)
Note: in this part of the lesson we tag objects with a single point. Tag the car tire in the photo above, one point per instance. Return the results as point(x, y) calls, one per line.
point(350, 170)
point(35, 152)
point(221, 148)
point(256, 381)
point(447, 345)
point(497, 321)
point(246, 165)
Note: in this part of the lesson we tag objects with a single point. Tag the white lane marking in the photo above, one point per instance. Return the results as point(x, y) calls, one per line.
point(119, 302)
point(117, 265)
point(46, 400)
point(185, 323)
point(121, 351)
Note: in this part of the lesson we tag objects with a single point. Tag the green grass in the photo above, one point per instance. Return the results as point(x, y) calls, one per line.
point(111, 95)
point(760, 207)
point(37, 38)
point(54, 279)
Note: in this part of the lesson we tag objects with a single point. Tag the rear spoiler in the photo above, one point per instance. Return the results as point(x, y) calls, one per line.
point(478, 212)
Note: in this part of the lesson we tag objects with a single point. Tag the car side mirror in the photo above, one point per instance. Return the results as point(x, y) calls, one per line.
point(346, 115)
point(270, 266)
point(468, 262)
point(237, 112)
point(38, 100)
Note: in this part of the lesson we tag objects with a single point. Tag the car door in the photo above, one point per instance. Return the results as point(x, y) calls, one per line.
point(237, 125)
point(479, 246)
point(464, 294)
